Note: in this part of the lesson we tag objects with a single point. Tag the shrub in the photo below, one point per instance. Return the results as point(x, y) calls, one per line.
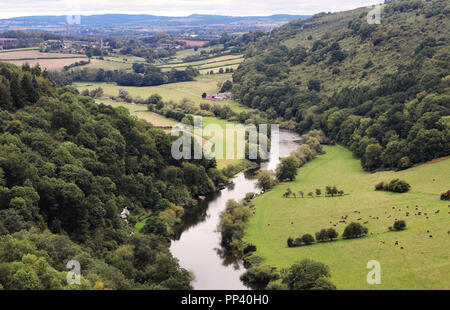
point(332, 233)
point(400, 225)
point(307, 239)
point(446, 195)
point(321, 235)
point(405, 162)
point(354, 230)
point(399, 186)
point(396, 186)
point(290, 242)
point(379, 186)
point(307, 275)
point(260, 276)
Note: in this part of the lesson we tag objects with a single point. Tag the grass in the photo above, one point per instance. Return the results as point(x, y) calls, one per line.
point(141, 112)
point(176, 92)
point(422, 264)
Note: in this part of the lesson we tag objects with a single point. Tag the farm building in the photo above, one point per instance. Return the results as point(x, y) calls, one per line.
point(219, 96)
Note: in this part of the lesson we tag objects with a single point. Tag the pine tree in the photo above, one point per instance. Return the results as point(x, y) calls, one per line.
point(17, 94)
point(5, 95)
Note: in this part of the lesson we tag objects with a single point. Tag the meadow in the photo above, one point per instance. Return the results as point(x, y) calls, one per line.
point(424, 261)
point(142, 112)
point(50, 61)
point(192, 90)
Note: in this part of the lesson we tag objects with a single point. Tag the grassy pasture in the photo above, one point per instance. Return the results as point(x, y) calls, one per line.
point(142, 113)
point(424, 263)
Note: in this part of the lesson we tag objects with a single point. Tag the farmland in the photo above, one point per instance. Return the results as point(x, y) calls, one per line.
point(50, 61)
point(423, 263)
point(175, 91)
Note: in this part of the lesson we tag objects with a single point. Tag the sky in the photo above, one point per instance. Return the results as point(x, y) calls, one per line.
point(177, 7)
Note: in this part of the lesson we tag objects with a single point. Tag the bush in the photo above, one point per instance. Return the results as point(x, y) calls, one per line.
point(321, 235)
point(290, 242)
point(396, 186)
point(399, 225)
point(307, 239)
point(399, 186)
point(307, 275)
point(354, 230)
point(259, 277)
point(380, 186)
point(446, 195)
point(332, 233)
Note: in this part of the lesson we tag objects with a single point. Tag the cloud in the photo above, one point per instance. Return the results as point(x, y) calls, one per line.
point(178, 7)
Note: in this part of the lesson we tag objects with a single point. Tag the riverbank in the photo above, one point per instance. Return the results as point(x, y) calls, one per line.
point(422, 264)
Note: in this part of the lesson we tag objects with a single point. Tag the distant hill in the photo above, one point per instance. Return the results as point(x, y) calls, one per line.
point(126, 19)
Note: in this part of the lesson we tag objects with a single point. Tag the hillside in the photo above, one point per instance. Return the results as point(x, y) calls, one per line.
point(68, 168)
point(382, 90)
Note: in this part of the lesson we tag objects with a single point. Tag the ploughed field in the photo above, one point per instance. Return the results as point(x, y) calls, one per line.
point(50, 61)
point(424, 261)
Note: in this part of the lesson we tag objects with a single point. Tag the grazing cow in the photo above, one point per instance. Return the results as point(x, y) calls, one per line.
point(437, 212)
point(431, 236)
point(428, 231)
point(359, 219)
point(292, 223)
point(401, 248)
point(268, 224)
point(396, 242)
point(366, 222)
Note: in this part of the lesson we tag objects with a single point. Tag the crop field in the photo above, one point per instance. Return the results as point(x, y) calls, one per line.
point(421, 260)
point(50, 61)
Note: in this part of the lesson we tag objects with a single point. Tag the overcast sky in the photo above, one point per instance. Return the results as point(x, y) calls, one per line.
point(13, 8)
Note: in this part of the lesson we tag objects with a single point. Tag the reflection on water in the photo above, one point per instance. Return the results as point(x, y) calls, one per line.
point(198, 244)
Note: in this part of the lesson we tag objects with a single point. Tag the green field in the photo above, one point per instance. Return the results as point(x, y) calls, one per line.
point(424, 263)
point(174, 91)
point(142, 112)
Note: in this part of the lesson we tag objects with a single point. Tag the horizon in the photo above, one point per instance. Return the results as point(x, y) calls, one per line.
point(179, 8)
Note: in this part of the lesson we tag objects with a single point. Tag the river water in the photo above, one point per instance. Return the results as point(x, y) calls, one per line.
point(198, 248)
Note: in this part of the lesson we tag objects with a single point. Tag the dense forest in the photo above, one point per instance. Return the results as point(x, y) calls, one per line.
point(383, 90)
point(68, 167)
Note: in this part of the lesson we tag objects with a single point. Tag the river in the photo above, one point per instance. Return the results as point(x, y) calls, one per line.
point(198, 248)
